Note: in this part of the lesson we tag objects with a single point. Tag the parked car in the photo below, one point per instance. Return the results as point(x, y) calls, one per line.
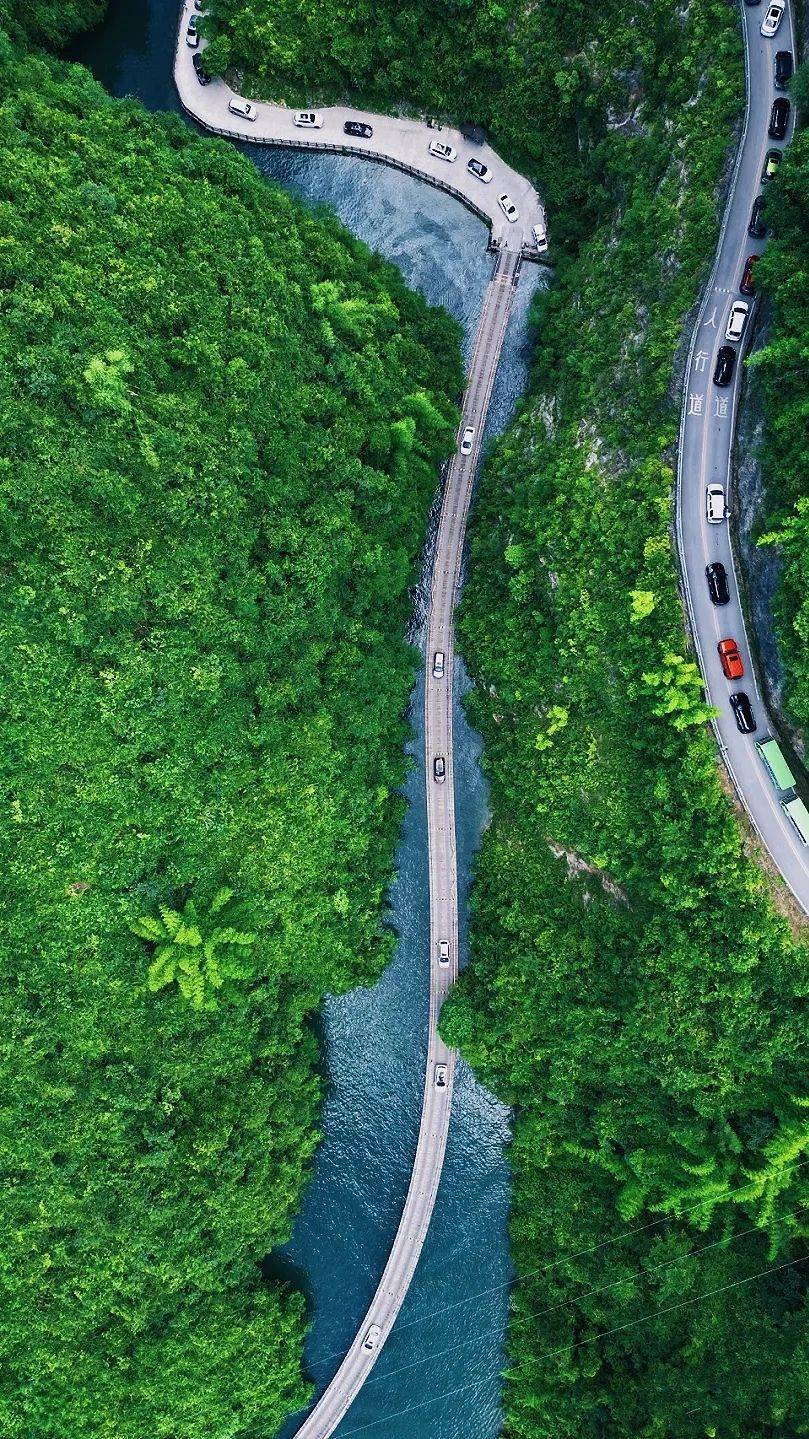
point(779, 118)
point(244, 108)
point(442, 151)
point(737, 320)
point(441, 1076)
point(443, 951)
point(192, 22)
point(308, 119)
point(773, 17)
point(772, 160)
point(730, 659)
point(191, 36)
point(508, 207)
point(372, 1337)
point(477, 167)
point(757, 228)
point(715, 507)
point(747, 284)
point(467, 440)
point(725, 362)
point(439, 769)
point(539, 235)
point(783, 68)
point(717, 578)
point(199, 4)
point(743, 713)
point(204, 79)
point(438, 665)
point(358, 129)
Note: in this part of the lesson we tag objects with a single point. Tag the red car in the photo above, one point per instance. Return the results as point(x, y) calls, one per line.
point(730, 659)
point(747, 287)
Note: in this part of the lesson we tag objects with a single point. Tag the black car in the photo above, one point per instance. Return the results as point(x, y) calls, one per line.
point(725, 360)
point(757, 228)
point(779, 118)
point(743, 713)
point(358, 128)
point(717, 578)
point(783, 69)
point(200, 73)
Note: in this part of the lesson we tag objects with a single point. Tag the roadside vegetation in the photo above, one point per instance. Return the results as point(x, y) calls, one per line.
point(633, 992)
point(782, 275)
point(220, 426)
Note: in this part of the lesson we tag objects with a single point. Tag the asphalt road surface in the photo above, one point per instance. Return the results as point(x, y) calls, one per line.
point(709, 414)
point(405, 142)
point(437, 1101)
point(396, 140)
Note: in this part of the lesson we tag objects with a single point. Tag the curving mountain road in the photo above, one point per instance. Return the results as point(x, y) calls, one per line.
point(405, 144)
point(706, 445)
point(705, 455)
point(396, 140)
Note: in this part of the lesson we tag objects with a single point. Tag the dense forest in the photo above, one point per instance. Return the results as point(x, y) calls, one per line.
point(783, 369)
point(221, 424)
point(634, 993)
point(541, 78)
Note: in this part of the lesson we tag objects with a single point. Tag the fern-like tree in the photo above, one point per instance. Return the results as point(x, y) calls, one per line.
point(201, 947)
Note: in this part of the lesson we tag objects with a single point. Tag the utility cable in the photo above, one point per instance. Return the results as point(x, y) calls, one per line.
point(565, 1259)
point(569, 1348)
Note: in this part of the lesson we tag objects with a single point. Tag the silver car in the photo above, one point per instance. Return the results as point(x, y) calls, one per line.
point(441, 1073)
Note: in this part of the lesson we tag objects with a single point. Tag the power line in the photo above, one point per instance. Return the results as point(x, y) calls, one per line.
point(604, 1334)
point(563, 1259)
point(630, 1278)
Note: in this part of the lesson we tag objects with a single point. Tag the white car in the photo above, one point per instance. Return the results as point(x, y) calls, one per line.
point(539, 235)
point(191, 36)
point(772, 19)
point(508, 207)
point(372, 1338)
point(442, 151)
point(244, 108)
point(443, 951)
point(477, 167)
point(737, 319)
point(307, 120)
point(440, 1076)
point(467, 440)
point(715, 508)
point(438, 665)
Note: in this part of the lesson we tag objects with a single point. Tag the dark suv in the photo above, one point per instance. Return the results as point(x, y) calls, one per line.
point(783, 69)
point(204, 79)
point(358, 128)
point(757, 228)
point(717, 578)
point(779, 118)
point(743, 713)
point(725, 360)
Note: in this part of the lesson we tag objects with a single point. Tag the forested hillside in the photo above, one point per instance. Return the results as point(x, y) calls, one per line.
point(541, 78)
point(220, 426)
point(783, 365)
point(633, 993)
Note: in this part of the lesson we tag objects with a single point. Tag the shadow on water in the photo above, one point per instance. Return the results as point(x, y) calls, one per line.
point(375, 1039)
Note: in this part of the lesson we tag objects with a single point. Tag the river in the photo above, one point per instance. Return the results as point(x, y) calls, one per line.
point(375, 1040)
